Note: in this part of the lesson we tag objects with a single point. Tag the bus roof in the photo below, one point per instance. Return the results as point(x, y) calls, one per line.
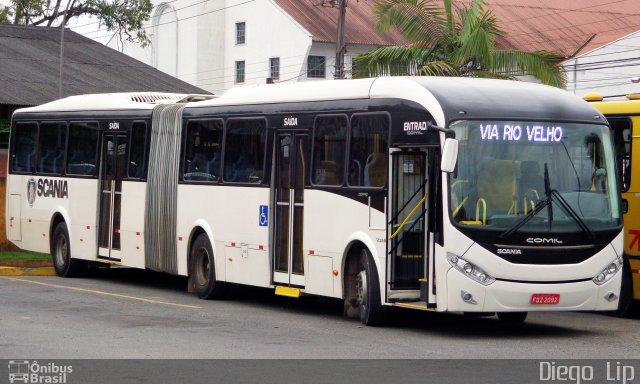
point(618, 107)
point(446, 98)
point(111, 101)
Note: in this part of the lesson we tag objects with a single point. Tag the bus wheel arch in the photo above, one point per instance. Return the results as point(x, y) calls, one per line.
point(201, 267)
point(361, 288)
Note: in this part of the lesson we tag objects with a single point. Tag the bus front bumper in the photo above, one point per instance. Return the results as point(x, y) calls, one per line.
point(467, 295)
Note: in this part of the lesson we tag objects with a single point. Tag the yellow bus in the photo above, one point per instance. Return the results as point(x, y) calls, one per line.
point(623, 116)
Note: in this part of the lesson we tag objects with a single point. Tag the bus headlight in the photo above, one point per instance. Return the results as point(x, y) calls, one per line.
point(470, 270)
point(608, 272)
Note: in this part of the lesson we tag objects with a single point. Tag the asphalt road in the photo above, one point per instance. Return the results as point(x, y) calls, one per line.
point(124, 313)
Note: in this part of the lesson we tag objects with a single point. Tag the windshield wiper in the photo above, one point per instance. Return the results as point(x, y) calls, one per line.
point(548, 202)
point(566, 207)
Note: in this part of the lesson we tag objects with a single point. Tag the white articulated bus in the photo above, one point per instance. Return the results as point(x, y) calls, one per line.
point(345, 189)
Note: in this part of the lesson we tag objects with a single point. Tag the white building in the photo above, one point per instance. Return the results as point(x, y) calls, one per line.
point(219, 44)
point(612, 69)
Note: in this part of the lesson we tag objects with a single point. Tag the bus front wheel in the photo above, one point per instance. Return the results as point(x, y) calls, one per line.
point(202, 272)
point(372, 312)
point(63, 264)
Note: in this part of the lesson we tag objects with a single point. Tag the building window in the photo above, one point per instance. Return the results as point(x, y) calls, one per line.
point(316, 67)
point(274, 68)
point(240, 71)
point(240, 32)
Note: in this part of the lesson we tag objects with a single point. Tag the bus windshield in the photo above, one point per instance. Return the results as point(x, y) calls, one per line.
point(518, 176)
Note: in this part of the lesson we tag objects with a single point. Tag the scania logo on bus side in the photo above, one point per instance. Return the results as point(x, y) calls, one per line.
point(46, 188)
point(31, 191)
point(543, 240)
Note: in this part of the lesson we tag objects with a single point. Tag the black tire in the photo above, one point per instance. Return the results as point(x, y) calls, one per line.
point(512, 317)
point(626, 305)
point(63, 264)
point(372, 312)
point(202, 270)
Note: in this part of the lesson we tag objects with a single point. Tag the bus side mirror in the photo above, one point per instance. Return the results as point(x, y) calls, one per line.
point(449, 155)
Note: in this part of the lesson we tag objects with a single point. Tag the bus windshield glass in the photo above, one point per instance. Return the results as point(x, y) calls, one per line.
point(522, 176)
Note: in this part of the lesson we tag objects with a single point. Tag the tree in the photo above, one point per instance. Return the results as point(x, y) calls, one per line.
point(441, 44)
point(125, 17)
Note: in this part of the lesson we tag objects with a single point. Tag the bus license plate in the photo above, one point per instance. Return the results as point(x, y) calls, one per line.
point(545, 298)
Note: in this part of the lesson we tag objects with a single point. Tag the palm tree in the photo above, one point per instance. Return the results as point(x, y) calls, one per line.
point(443, 45)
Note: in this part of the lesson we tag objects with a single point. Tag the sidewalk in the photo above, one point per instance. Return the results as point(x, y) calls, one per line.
point(26, 268)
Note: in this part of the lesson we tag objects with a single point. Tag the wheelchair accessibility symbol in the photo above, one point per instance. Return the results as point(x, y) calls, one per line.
point(264, 216)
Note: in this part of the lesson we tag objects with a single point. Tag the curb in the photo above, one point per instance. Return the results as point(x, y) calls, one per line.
point(25, 271)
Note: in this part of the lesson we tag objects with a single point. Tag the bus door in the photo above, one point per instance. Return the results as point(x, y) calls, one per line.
point(408, 240)
point(113, 169)
point(291, 154)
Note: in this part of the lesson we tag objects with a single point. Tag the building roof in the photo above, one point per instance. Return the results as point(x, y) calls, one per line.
point(531, 25)
point(30, 67)
point(564, 26)
point(322, 22)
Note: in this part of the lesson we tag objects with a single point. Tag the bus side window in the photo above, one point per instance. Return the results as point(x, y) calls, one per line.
point(202, 153)
point(329, 148)
point(24, 147)
point(368, 152)
point(137, 164)
point(622, 142)
point(244, 151)
point(83, 149)
point(51, 147)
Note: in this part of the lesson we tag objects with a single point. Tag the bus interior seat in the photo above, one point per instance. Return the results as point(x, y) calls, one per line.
point(530, 183)
point(47, 162)
point(497, 185)
point(242, 168)
point(375, 170)
point(197, 164)
point(326, 173)
point(213, 165)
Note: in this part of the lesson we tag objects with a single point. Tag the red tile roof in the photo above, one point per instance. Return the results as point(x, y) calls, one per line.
point(322, 22)
point(531, 25)
point(564, 26)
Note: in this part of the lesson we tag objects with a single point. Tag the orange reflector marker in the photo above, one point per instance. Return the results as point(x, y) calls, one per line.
point(335, 272)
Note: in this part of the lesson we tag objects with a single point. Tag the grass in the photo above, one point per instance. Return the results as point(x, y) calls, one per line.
point(20, 255)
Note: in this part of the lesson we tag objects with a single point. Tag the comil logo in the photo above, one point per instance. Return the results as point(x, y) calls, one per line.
point(24, 371)
point(543, 240)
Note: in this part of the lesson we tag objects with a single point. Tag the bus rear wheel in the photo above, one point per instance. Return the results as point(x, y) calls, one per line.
point(63, 264)
point(512, 317)
point(202, 272)
point(371, 310)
